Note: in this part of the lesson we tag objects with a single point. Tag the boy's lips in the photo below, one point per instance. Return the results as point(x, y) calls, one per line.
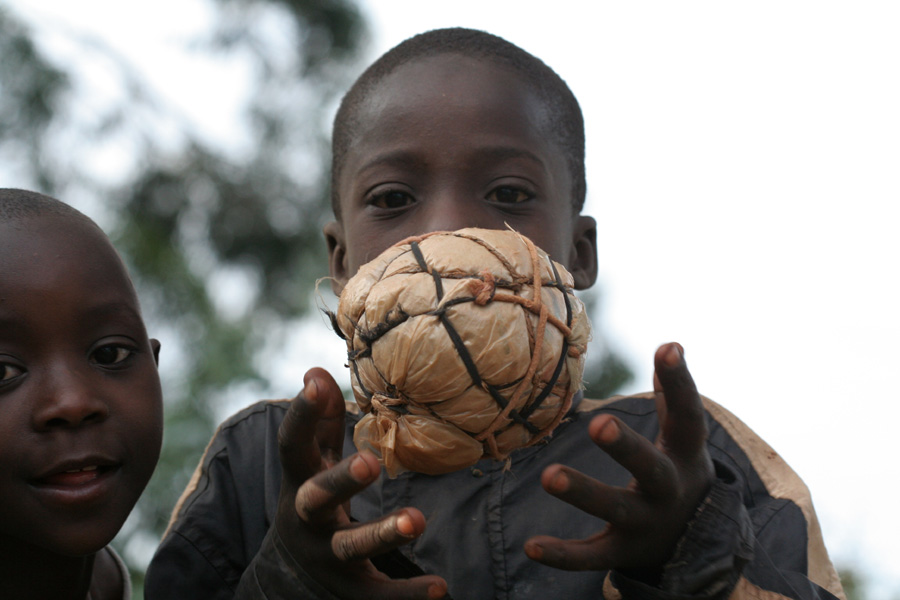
point(76, 481)
point(72, 477)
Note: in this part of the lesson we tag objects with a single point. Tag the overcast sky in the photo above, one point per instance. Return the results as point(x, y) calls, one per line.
point(743, 163)
point(744, 168)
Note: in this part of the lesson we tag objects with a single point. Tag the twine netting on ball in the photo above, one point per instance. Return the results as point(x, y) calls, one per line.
point(460, 345)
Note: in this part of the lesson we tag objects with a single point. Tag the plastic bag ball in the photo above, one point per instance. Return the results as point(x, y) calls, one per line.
point(461, 345)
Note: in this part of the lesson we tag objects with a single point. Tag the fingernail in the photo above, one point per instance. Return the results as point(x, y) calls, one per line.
point(405, 525)
point(534, 551)
point(560, 482)
point(673, 355)
point(609, 433)
point(436, 591)
point(311, 391)
point(359, 469)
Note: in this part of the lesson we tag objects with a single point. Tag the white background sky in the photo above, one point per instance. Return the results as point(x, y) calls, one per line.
point(744, 168)
point(743, 163)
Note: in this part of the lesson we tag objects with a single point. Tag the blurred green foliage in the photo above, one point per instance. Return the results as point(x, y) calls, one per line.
point(853, 582)
point(224, 245)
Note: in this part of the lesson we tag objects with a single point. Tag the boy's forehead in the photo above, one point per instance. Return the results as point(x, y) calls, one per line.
point(38, 249)
point(430, 101)
point(453, 78)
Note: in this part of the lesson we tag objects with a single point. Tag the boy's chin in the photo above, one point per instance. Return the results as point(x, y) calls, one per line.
point(64, 543)
point(81, 538)
point(84, 543)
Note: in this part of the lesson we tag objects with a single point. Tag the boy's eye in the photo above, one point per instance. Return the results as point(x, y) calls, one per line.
point(391, 199)
point(508, 195)
point(8, 372)
point(111, 355)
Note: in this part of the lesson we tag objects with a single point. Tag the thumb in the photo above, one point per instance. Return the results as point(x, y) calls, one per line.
point(330, 426)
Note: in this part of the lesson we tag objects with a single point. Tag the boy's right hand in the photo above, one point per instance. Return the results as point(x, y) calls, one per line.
point(313, 516)
point(646, 519)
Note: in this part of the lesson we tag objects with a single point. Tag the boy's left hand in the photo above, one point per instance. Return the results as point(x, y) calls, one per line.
point(645, 519)
point(313, 518)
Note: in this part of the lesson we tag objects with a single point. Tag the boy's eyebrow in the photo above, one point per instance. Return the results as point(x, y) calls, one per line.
point(114, 309)
point(411, 159)
point(508, 153)
point(10, 322)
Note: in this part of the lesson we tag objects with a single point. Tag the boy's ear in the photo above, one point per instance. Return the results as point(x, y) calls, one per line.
point(337, 256)
point(155, 346)
point(583, 259)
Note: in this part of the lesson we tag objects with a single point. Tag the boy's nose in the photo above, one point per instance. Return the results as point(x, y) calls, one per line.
point(68, 401)
point(450, 212)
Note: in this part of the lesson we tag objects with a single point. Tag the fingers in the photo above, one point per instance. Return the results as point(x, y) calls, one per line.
point(330, 426)
point(430, 587)
point(378, 537)
point(313, 424)
point(646, 518)
point(319, 497)
point(315, 526)
point(587, 494)
point(683, 421)
point(653, 470)
point(300, 456)
point(570, 555)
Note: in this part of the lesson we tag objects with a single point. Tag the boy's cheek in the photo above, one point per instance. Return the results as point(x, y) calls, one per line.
point(143, 418)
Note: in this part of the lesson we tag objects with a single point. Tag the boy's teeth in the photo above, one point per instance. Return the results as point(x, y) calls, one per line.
point(91, 468)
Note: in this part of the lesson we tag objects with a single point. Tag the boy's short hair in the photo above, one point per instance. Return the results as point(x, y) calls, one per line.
point(16, 205)
point(566, 123)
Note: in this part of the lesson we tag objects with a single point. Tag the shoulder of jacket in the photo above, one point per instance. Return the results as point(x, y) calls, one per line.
point(781, 481)
point(252, 411)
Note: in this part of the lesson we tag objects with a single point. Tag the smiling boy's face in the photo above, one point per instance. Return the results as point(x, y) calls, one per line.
point(448, 142)
point(80, 399)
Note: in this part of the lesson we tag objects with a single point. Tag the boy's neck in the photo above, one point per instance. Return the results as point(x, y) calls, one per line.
point(33, 573)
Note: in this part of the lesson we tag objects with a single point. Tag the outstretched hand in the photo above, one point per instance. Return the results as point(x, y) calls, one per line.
point(313, 518)
point(671, 477)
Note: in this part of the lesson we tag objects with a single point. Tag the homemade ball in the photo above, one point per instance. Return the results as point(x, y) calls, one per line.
point(461, 345)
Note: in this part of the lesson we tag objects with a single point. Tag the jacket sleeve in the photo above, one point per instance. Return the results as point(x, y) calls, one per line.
point(223, 515)
point(274, 575)
point(755, 537)
point(789, 555)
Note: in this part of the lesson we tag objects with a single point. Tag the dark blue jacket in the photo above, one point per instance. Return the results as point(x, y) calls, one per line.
point(755, 536)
